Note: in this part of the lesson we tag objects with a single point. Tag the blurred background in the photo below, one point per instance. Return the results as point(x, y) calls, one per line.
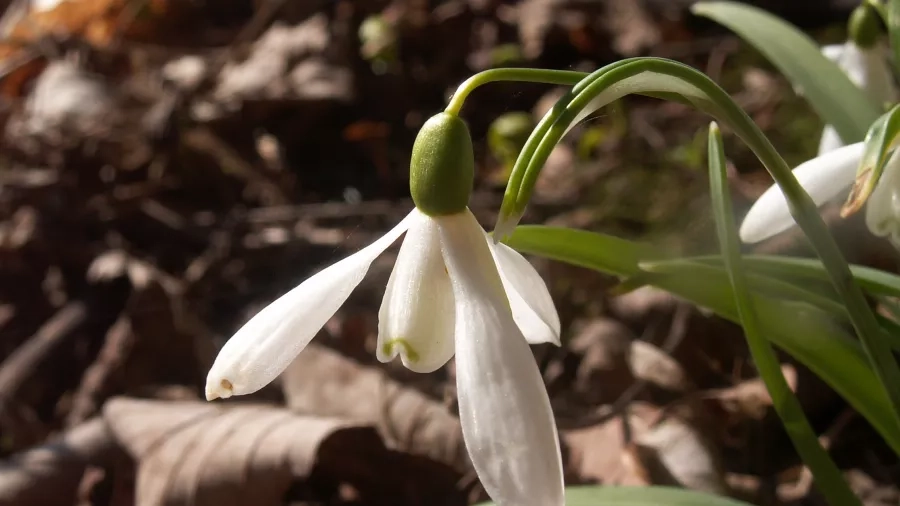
point(168, 167)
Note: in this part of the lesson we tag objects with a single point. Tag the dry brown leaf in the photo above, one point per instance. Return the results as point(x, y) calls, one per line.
point(196, 453)
point(603, 373)
point(325, 383)
point(870, 491)
point(677, 451)
point(632, 27)
point(598, 453)
point(49, 474)
point(535, 18)
point(287, 62)
point(640, 305)
point(655, 366)
point(667, 451)
point(612, 360)
point(65, 96)
point(750, 399)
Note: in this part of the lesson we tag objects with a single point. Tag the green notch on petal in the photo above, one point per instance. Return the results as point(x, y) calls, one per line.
point(408, 351)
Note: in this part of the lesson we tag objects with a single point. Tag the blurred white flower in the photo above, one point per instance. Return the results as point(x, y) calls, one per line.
point(868, 69)
point(826, 177)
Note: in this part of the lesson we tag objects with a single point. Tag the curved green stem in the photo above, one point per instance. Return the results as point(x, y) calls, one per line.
point(827, 476)
point(681, 82)
point(544, 76)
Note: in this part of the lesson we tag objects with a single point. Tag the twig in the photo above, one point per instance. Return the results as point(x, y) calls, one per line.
point(51, 473)
point(25, 359)
point(119, 341)
point(797, 490)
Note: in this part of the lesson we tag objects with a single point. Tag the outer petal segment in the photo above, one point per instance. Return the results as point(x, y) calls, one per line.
point(883, 206)
point(868, 69)
point(416, 320)
point(504, 409)
point(266, 344)
point(823, 177)
point(830, 140)
point(530, 301)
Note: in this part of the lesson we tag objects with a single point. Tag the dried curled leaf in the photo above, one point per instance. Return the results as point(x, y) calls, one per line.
point(49, 474)
point(656, 448)
point(200, 454)
point(323, 382)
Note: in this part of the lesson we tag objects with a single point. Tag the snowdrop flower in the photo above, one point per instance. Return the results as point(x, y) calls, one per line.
point(452, 290)
point(826, 177)
point(864, 58)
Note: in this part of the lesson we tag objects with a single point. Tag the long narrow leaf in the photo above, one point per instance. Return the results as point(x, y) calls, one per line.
point(826, 475)
point(641, 496)
point(806, 333)
point(651, 75)
point(778, 281)
point(837, 100)
point(893, 25)
point(873, 281)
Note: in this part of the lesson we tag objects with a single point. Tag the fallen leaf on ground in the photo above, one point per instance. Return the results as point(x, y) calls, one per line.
point(671, 450)
point(325, 383)
point(603, 373)
point(655, 366)
point(198, 454)
point(49, 474)
point(749, 399)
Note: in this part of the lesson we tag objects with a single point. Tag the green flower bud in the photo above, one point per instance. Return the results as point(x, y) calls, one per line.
point(508, 134)
point(442, 167)
point(864, 26)
point(378, 39)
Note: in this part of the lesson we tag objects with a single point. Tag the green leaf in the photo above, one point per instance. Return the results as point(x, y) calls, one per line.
point(761, 283)
point(795, 279)
point(834, 97)
point(881, 140)
point(873, 281)
point(809, 334)
point(651, 75)
point(640, 496)
point(605, 253)
point(893, 26)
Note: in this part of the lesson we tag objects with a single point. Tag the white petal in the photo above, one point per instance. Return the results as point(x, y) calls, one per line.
point(504, 409)
point(416, 319)
point(830, 140)
point(823, 177)
point(868, 69)
point(530, 301)
point(266, 344)
point(883, 206)
point(833, 52)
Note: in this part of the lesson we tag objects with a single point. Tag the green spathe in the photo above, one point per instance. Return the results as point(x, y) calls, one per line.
point(442, 166)
point(864, 26)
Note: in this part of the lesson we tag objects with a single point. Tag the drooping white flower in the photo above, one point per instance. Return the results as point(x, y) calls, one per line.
point(452, 290)
point(417, 320)
point(825, 178)
point(868, 69)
